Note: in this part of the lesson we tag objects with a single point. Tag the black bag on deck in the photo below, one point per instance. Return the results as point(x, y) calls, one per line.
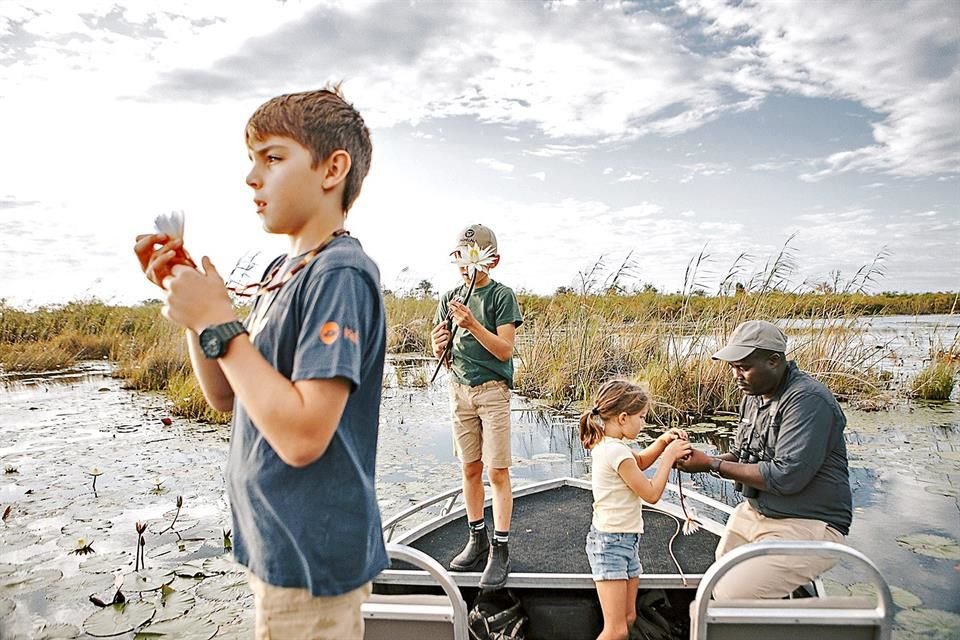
point(496, 615)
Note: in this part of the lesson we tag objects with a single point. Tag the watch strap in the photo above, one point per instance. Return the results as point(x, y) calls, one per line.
point(224, 332)
point(715, 467)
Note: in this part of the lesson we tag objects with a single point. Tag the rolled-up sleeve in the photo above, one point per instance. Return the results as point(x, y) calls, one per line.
point(805, 430)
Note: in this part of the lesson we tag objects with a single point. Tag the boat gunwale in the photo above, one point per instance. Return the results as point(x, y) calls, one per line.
point(538, 579)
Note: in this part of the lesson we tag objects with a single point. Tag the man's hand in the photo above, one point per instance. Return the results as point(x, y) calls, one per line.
point(195, 299)
point(462, 315)
point(696, 462)
point(439, 338)
point(158, 254)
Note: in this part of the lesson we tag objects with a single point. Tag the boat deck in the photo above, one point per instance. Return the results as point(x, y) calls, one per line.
point(549, 529)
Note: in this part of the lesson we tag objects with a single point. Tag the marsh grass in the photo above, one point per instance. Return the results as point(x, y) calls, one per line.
point(409, 323)
point(573, 342)
point(570, 342)
point(935, 382)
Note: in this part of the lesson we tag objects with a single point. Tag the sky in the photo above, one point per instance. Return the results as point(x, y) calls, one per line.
point(587, 134)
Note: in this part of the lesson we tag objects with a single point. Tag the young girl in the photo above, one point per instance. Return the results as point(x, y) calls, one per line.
point(618, 414)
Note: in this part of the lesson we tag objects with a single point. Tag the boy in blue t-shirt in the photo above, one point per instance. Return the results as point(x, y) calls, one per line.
point(481, 376)
point(303, 374)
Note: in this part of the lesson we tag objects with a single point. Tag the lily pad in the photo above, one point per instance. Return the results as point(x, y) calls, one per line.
point(146, 580)
point(226, 588)
point(6, 607)
point(58, 631)
point(904, 599)
point(26, 581)
point(216, 612)
point(107, 563)
point(221, 564)
point(550, 457)
point(901, 597)
point(13, 540)
point(173, 604)
point(931, 545)
point(930, 623)
point(184, 546)
point(118, 618)
point(182, 629)
point(943, 490)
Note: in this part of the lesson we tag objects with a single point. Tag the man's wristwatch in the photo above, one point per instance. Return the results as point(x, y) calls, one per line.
point(715, 467)
point(215, 339)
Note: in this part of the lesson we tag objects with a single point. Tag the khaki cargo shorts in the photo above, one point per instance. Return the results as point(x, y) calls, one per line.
point(770, 576)
point(481, 423)
point(284, 613)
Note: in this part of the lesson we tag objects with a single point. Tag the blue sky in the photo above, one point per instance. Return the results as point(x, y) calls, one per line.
point(576, 130)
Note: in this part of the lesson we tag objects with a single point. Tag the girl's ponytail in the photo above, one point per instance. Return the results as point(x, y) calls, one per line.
point(591, 428)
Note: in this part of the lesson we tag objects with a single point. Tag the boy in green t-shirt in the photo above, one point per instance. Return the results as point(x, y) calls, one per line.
point(481, 368)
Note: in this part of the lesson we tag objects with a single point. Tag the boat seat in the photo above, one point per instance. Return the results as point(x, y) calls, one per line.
point(416, 617)
point(823, 618)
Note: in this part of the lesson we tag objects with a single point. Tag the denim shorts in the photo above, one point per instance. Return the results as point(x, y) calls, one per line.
point(613, 556)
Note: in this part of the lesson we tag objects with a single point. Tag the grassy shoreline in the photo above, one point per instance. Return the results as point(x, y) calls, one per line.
point(568, 345)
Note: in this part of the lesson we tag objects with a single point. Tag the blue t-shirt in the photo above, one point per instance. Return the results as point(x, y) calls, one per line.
point(317, 527)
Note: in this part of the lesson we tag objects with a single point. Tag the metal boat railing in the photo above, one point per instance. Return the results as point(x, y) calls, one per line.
point(453, 608)
point(849, 614)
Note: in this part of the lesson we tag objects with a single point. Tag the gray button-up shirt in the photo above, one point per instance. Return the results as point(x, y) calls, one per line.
point(798, 438)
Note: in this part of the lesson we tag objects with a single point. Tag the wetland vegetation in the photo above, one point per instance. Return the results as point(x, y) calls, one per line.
point(570, 342)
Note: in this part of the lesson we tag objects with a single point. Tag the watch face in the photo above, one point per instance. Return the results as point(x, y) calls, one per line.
point(210, 344)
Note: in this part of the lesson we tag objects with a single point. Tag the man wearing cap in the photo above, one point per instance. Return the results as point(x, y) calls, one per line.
point(789, 459)
point(481, 376)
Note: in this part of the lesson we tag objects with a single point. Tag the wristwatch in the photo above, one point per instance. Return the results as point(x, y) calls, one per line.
point(715, 467)
point(215, 338)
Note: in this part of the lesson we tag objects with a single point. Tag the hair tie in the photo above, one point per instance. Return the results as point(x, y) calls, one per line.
point(595, 411)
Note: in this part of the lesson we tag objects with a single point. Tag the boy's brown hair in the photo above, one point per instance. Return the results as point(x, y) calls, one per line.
point(323, 122)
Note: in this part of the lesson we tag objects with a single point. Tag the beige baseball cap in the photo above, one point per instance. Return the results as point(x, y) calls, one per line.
point(483, 236)
point(750, 335)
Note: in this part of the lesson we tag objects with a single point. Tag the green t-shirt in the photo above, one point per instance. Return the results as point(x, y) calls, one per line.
point(493, 305)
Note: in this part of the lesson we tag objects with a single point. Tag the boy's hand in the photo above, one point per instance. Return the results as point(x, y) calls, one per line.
point(462, 315)
point(195, 299)
point(676, 450)
point(157, 262)
point(439, 338)
point(672, 434)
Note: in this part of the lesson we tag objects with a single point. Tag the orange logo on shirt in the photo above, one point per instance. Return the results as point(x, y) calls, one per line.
point(351, 335)
point(329, 332)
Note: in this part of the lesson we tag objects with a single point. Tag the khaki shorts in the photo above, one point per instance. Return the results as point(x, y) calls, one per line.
point(284, 613)
point(481, 423)
point(770, 576)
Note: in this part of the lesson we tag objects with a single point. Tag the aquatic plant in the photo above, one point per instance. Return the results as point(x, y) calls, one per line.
point(690, 522)
point(95, 473)
point(141, 528)
point(935, 381)
point(83, 547)
point(9, 468)
point(475, 260)
point(227, 540)
point(175, 516)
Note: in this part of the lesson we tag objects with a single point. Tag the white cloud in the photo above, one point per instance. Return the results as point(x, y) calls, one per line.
point(539, 175)
point(705, 169)
point(629, 176)
point(899, 58)
point(496, 165)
